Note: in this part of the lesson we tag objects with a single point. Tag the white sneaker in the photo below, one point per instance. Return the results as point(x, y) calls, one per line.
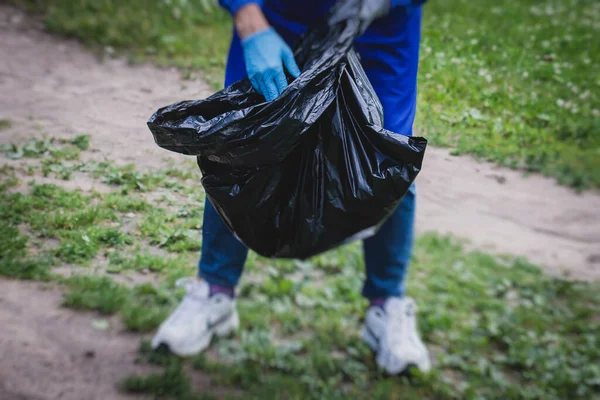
point(392, 333)
point(191, 327)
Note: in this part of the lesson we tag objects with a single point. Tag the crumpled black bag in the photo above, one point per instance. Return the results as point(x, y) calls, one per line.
point(309, 171)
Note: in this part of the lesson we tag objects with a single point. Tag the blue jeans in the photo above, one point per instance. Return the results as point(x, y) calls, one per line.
point(391, 65)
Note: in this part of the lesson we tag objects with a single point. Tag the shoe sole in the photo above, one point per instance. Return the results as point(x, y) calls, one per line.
point(222, 329)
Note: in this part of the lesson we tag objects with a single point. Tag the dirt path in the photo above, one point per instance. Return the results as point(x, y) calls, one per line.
point(55, 87)
point(500, 210)
point(48, 352)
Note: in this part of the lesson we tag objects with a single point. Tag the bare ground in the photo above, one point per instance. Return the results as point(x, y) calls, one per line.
point(49, 352)
point(51, 86)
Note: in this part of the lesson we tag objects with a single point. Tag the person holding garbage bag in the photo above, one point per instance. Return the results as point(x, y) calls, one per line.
point(388, 45)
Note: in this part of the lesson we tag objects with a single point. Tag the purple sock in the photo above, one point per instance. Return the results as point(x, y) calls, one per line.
point(214, 289)
point(377, 302)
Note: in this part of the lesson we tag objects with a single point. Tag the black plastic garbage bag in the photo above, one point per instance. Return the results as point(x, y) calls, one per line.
point(309, 171)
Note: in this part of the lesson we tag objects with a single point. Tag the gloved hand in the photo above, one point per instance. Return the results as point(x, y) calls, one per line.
point(265, 53)
point(371, 10)
point(374, 9)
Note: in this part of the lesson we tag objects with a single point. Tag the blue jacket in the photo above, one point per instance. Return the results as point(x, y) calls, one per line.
point(317, 8)
point(307, 11)
point(389, 49)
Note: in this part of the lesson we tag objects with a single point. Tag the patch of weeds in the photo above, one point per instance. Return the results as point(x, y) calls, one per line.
point(178, 239)
point(152, 222)
point(101, 294)
point(56, 196)
point(191, 214)
point(184, 269)
point(26, 268)
point(156, 357)
point(66, 215)
point(131, 179)
point(13, 207)
point(82, 142)
point(81, 246)
point(55, 150)
point(124, 176)
point(8, 178)
point(180, 173)
point(14, 260)
point(50, 197)
point(504, 308)
point(68, 153)
point(62, 163)
point(111, 237)
point(12, 242)
point(258, 346)
point(142, 307)
point(46, 223)
point(142, 261)
point(146, 307)
point(124, 202)
point(500, 327)
point(277, 287)
point(59, 169)
point(171, 383)
point(157, 226)
point(33, 148)
point(274, 384)
point(5, 124)
point(59, 155)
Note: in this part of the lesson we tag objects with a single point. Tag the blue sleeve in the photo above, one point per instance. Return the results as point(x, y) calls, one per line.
point(233, 5)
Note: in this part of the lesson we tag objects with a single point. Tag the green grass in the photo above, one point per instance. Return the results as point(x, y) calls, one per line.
point(140, 261)
point(59, 148)
point(191, 35)
point(81, 222)
point(518, 87)
point(142, 307)
point(124, 202)
point(70, 216)
point(171, 383)
point(173, 233)
point(95, 293)
point(147, 307)
point(498, 328)
point(14, 260)
point(127, 177)
point(59, 156)
point(8, 178)
point(83, 245)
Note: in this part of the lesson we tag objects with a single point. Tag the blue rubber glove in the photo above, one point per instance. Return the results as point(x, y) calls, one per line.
point(265, 54)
